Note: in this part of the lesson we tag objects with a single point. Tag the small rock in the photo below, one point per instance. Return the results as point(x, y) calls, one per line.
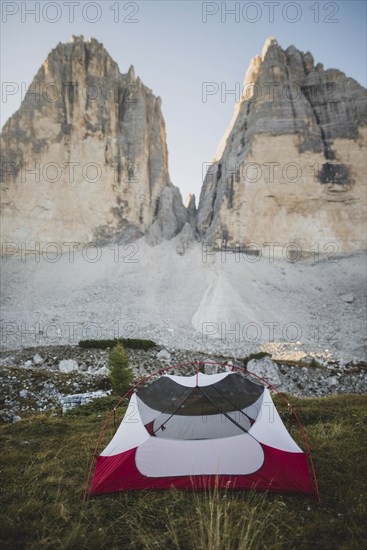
point(164, 354)
point(37, 359)
point(347, 298)
point(23, 393)
point(103, 371)
point(71, 401)
point(68, 365)
point(212, 369)
point(16, 419)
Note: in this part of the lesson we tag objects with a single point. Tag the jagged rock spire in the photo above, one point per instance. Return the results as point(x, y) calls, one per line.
point(290, 165)
point(97, 148)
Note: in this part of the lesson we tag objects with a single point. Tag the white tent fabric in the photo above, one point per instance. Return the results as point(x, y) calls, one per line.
point(200, 378)
point(202, 427)
point(131, 432)
point(269, 428)
point(241, 455)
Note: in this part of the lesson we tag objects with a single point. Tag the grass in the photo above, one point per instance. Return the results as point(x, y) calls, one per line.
point(45, 459)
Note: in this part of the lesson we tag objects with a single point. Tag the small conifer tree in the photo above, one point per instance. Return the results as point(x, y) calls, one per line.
point(121, 373)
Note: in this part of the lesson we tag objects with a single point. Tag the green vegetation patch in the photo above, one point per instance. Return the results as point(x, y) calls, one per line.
point(45, 460)
point(121, 374)
point(130, 343)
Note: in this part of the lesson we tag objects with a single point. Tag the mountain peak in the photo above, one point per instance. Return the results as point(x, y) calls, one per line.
point(289, 114)
point(77, 38)
point(269, 43)
point(106, 139)
point(131, 73)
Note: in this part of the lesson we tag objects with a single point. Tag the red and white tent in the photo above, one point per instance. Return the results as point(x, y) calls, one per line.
point(202, 431)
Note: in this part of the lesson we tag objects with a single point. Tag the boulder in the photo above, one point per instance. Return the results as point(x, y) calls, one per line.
point(164, 355)
point(347, 298)
point(267, 369)
point(37, 359)
point(68, 365)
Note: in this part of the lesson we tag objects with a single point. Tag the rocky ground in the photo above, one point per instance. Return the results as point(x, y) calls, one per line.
point(57, 378)
point(209, 303)
point(309, 316)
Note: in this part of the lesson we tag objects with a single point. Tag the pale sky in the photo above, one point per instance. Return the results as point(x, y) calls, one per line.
point(175, 46)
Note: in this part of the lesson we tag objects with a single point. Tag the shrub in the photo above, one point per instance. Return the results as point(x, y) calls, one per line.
point(315, 364)
point(121, 373)
point(131, 343)
point(97, 344)
point(138, 343)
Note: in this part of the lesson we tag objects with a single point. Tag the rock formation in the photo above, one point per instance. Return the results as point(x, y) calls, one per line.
point(85, 157)
point(291, 168)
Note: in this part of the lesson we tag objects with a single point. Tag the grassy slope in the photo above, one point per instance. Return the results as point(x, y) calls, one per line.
point(45, 459)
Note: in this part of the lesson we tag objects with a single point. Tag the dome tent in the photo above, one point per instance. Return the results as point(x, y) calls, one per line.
point(201, 431)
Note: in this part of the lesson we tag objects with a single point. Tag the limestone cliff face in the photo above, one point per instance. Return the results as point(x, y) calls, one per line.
point(292, 165)
point(85, 156)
